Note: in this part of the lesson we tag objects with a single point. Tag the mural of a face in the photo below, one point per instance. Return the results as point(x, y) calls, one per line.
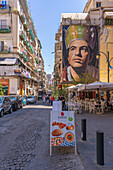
point(78, 53)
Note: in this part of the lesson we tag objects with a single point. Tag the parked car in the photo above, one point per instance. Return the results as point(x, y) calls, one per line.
point(31, 99)
point(16, 102)
point(5, 105)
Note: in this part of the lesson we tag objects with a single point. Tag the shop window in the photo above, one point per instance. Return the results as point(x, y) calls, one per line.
point(98, 4)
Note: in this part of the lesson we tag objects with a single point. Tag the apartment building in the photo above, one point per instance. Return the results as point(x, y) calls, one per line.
point(21, 61)
point(97, 13)
point(100, 13)
point(58, 57)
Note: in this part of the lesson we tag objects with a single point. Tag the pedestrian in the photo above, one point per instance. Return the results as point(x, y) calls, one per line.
point(52, 99)
point(44, 98)
point(59, 97)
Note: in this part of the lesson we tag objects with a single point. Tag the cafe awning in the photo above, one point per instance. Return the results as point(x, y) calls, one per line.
point(108, 15)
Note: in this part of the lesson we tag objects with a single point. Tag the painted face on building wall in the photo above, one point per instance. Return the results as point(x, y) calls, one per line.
point(78, 53)
point(80, 46)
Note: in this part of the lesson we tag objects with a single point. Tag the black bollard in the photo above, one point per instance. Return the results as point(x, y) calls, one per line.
point(83, 129)
point(100, 147)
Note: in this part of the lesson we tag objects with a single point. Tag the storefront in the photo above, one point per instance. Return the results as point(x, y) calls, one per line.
point(5, 84)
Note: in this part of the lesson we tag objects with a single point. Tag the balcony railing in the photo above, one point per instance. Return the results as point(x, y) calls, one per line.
point(25, 26)
point(22, 18)
point(37, 61)
point(30, 49)
point(22, 36)
point(25, 57)
point(4, 49)
point(5, 29)
point(25, 42)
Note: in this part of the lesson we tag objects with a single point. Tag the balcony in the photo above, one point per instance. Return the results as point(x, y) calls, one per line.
point(5, 29)
point(22, 18)
point(36, 70)
point(25, 26)
point(30, 49)
point(58, 46)
point(22, 36)
point(31, 34)
point(57, 36)
point(36, 61)
point(40, 44)
point(25, 42)
point(4, 50)
point(24, 57)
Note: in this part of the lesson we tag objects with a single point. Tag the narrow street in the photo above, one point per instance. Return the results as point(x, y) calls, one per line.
point(24, 142)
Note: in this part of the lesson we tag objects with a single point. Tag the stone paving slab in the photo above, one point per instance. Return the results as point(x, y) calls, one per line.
point(87, 149)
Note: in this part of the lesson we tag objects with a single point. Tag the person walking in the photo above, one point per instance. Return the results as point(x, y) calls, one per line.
point(63, 102)
point(52, 99)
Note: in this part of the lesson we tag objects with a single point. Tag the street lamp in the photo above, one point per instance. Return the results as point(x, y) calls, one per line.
point(108, 61)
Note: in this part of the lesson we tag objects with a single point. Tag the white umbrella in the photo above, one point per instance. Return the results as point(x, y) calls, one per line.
point(71, 87)
point(74, 87)
point(99, 85)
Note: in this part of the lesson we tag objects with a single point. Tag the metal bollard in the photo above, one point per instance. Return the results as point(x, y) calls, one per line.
point(83, 129)
point(100, 147)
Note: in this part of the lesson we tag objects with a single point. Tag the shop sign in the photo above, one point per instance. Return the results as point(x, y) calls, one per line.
point(4, 81)
point(18, 71)
point(25, 73)
point(22, 72)
point(62, 132)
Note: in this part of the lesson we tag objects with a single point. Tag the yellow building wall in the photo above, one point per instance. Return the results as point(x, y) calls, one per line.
point(106, 45)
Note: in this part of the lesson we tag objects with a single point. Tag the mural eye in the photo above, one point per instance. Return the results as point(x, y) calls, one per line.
point(84, 49)
point(72, 48)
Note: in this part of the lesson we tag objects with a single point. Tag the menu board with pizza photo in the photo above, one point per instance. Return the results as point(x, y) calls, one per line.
point(62, 131)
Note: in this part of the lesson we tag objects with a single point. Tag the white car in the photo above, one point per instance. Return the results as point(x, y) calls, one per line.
point(31, 99)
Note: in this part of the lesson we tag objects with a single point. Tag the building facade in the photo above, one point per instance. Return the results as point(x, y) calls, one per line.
point(49, 78)
point(97, 13)
point(21, 62)
point(58, 57)
point(100, 13)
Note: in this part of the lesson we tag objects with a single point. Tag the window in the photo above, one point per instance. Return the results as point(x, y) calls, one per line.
point(1, 45)
point(98, 4)
point(3, 24)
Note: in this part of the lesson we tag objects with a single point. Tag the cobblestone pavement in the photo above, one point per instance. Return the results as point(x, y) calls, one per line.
point(24, 142)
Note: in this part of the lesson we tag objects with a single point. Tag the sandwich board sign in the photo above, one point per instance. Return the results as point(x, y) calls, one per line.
point(57, 105)
point(62, 129)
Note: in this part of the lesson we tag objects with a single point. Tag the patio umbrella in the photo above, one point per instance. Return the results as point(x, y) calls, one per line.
point(97, 85)
point(74, 87)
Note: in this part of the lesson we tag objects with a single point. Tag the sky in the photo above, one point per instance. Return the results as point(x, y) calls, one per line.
point(46, 15)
